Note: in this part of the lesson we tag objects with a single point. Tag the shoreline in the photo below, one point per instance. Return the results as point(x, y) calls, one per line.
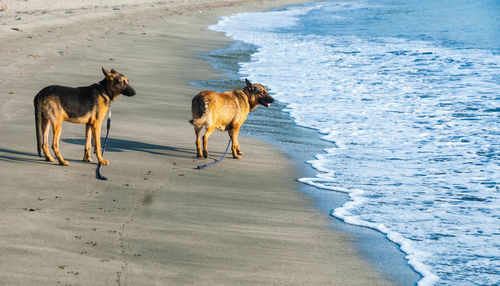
point(301, 145)
point(158, 219)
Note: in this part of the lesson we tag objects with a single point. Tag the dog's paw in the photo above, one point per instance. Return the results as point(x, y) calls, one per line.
point(205, 154)
point(236, 156)
point(239, 152)
point(49, 159)
point(104, 162)
point(87, 159)
point(63, 163)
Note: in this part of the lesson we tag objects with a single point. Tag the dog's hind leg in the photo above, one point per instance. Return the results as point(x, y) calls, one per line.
point(205, 139)
point(45, 124)
point(88, 145)
point(57, 126)
point(197, 131)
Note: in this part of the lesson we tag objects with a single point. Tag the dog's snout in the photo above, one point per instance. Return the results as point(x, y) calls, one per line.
point(129, 91)
point(269, 99)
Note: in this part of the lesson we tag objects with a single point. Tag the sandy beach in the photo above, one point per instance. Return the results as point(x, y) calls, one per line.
point(158, 220)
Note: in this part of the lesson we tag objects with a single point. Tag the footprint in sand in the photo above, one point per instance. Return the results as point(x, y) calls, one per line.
point(92, 243)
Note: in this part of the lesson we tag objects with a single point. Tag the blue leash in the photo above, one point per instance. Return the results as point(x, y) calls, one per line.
point(98, 170)
point(206, 165)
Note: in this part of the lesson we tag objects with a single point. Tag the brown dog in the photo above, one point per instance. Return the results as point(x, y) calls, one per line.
point(226, 111)
point(87, 104)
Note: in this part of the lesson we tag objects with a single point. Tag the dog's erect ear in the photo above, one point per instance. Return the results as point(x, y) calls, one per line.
point(113, 71)
point(249, 85)
point(106, 73)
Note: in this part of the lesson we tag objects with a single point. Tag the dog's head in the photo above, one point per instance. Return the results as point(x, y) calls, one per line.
point(259, 92)
point(118, 83)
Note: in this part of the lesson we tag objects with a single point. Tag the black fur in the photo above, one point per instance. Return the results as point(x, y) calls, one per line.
point(83, 104)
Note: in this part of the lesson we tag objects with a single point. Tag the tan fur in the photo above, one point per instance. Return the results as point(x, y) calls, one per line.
point(225, 111)
point(85, 105)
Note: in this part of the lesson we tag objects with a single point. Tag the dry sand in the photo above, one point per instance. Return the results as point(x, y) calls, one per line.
point(158, 221)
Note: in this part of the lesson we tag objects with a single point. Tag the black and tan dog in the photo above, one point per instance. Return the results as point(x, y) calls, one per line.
point(87, 104)
point(226, 111)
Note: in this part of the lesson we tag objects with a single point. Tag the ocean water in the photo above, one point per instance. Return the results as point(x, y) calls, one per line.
point(406, 97)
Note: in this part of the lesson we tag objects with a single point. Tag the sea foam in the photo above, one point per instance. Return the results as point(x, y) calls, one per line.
point(415, 129)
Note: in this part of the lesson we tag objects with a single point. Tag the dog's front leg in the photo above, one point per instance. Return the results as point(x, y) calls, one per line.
point(96, 132)
point(88, 144)
point(233, 133)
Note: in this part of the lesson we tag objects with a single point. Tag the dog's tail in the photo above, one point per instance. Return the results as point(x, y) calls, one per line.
point(198, 109)
point(38, 126)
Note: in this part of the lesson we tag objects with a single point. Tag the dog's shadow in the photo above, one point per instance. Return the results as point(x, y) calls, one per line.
point(10, 155)
point(122, 145)
point(114, 145)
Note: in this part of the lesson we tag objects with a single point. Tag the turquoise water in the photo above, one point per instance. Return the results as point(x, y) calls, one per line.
point(405, 96)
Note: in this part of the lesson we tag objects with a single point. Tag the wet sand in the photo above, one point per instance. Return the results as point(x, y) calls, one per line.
point(158, 221)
